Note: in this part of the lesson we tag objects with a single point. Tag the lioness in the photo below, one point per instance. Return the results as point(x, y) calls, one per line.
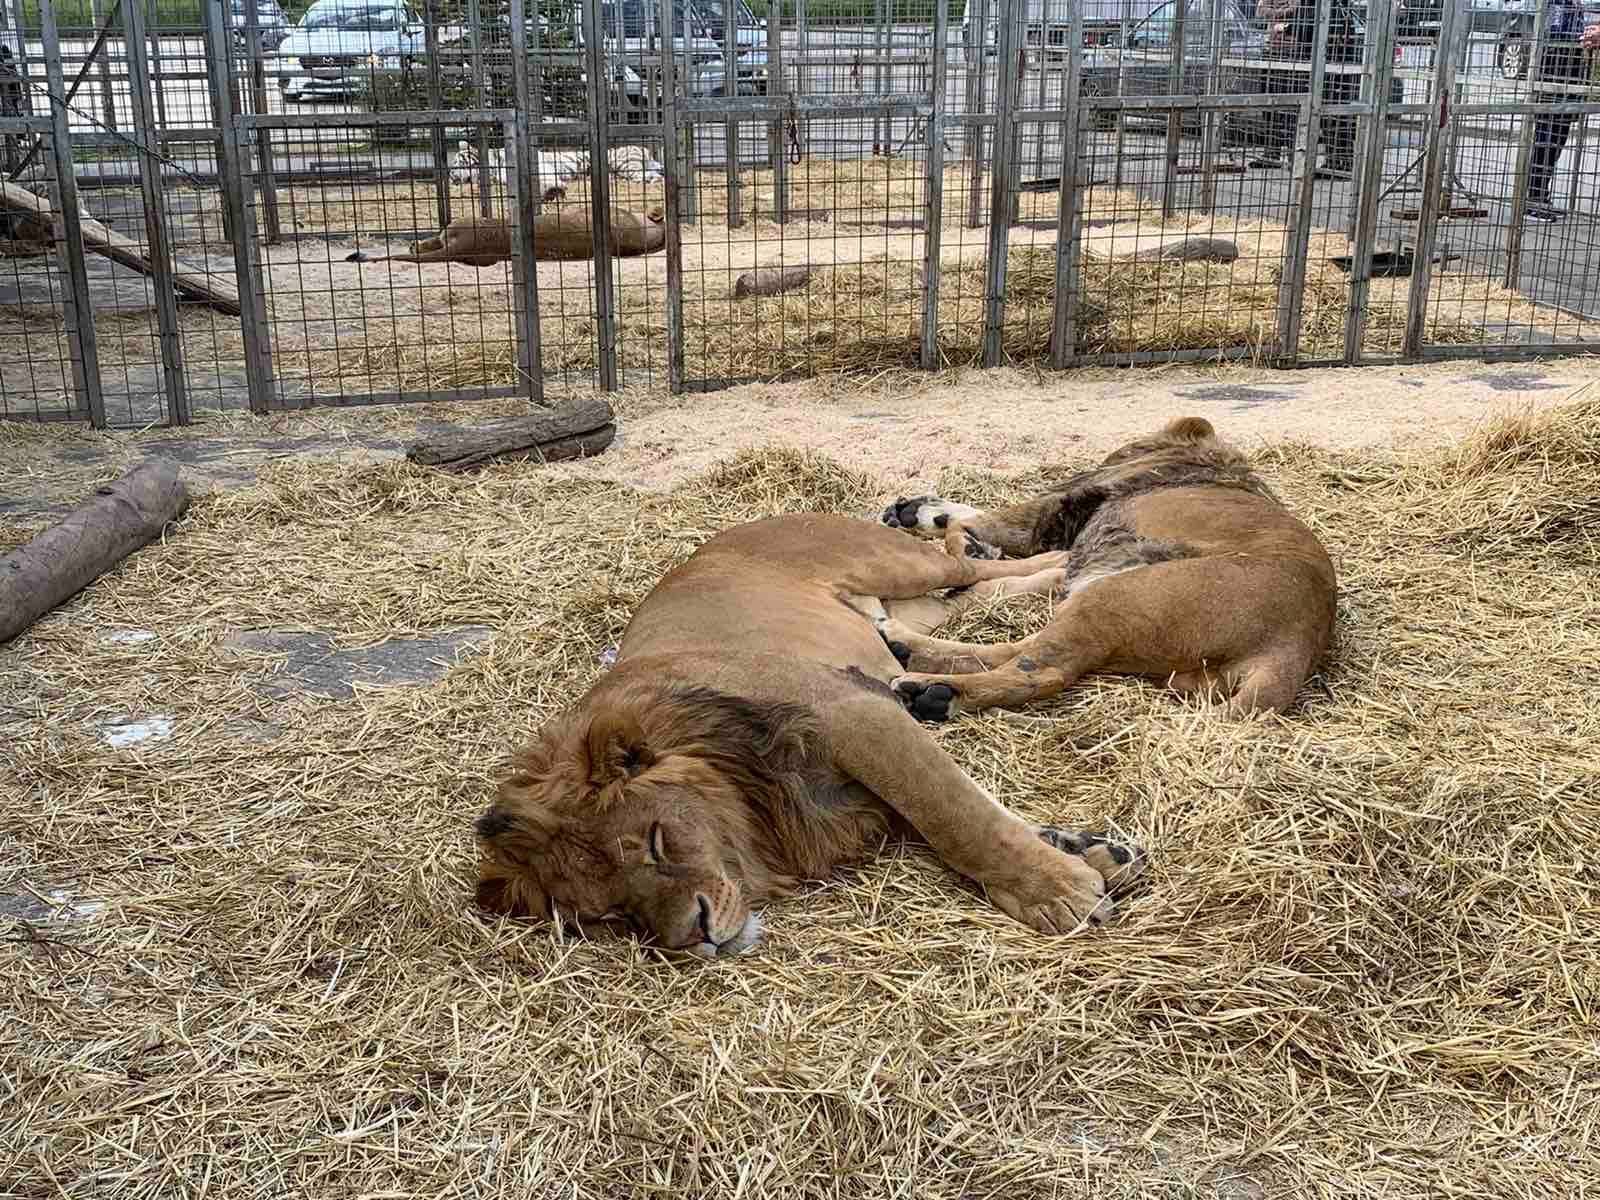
point(559, 236)
point(747, 739)
point(1182, 566)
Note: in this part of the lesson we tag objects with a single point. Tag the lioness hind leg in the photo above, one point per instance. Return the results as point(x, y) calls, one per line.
point(1119, 863)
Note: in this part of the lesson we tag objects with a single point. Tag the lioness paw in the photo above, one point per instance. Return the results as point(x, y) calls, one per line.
point(1119, 864)
point(1082, 907)
point(927, 701)
point(927, 515)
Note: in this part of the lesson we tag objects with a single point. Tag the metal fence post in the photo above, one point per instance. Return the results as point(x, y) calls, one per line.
point(1211, 135)
point(1179, 49)
point(77, 308)
point(1069, 214)
point(1291, 291)
point(258, 103)
point(598, 69)
point(933, 238)
point(1370, 179)
point(669, 131)
point(994, 288)
point(157, 251)
point(975, 54)
point(441, 161)
point(236, 206)
point(1444, 73)
point(480, 99)
point(775, 84)
point(730, 131)
point(520, 212)
point(1519, 193)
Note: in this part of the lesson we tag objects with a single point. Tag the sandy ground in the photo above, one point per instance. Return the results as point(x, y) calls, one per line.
point(902, 428)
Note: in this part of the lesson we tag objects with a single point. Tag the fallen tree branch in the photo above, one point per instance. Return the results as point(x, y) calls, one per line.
point(578, 430)
point(102, 531)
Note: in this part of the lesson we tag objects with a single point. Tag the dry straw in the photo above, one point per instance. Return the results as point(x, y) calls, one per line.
point(242, 962)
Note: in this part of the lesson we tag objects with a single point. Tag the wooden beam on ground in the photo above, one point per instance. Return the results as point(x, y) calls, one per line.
point(578, 430)
point(63, 560)
point(214, 290)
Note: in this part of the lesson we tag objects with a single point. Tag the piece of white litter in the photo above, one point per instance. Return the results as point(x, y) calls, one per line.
point(119, 735)
point(608, 657)
point(130, 637)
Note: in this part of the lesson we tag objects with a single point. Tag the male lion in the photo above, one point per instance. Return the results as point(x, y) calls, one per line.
point(747, 739)
point(1182, 565)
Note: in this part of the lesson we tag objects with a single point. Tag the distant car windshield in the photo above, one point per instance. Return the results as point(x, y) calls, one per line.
point(353, 17)
point(714, 12)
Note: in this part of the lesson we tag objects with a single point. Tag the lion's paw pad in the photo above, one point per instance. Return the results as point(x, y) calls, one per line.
point(903, 513)
point(932, 702)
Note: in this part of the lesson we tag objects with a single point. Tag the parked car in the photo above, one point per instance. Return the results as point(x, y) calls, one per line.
point(271, 25)
point(1141, 61)
point(337, 39)
point(1047, 23)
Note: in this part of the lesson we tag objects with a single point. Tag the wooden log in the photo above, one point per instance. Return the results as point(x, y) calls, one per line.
point(1189, 250)
point(578, 430)
point(58, 564)
point(770, 281)
point(196, 285)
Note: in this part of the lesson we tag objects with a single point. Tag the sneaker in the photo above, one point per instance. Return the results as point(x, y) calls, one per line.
point(1542, 215)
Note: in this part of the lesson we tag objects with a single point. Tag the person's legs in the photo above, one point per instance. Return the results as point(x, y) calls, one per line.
point(1550, 131)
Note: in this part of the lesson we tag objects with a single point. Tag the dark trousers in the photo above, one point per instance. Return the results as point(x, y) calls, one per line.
point(1338, 133)
point(1550, 132)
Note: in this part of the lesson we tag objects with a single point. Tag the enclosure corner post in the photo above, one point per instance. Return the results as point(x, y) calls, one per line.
point(1000, 186)
point(1291, 290)
point(1432, 183)
point(520, 203)
point(669, 130)
point(1069, 213)
point(159, 253)
point(230, 170)
point(605, 314)
point(1380, 72)
point(77, 307)
point(933, 239)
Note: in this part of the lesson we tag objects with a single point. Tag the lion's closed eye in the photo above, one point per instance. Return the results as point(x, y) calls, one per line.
point(657, 844)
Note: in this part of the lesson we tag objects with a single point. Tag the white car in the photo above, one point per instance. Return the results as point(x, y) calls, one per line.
point(325, 54)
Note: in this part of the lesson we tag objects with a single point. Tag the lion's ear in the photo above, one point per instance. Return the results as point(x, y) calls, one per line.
point(1191, 429)
point(515, 834)
point(617, 749)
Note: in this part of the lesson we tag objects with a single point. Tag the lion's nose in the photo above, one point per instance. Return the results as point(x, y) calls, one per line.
point(705, 915)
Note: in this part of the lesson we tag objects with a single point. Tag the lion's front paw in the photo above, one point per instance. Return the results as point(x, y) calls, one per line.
point(927, 698)
point(1064, 897)
point(1119, 863)
point(927, 515)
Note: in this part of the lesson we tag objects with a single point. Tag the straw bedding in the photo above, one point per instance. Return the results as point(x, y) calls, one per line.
point(1365, 964)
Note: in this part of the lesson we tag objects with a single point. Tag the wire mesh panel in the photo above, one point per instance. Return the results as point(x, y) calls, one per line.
point(805, 163)
point(1515, 249)
point(36, 377)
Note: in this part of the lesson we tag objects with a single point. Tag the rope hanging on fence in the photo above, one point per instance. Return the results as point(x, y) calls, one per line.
point(795, 152)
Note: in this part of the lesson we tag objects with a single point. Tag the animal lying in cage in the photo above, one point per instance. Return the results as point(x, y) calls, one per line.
point(553, 168)
point(561, 235)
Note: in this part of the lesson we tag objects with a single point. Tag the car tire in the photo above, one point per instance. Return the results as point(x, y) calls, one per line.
point(1511, 57)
